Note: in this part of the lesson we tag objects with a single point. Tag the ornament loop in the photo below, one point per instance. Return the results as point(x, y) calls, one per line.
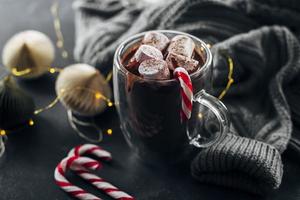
point(74, 122)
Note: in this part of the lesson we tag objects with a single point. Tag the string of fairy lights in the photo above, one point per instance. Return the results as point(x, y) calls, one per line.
point(53, 70)
point(230, 64)
point(229, 77)
point(97, 94)
point(58, 31)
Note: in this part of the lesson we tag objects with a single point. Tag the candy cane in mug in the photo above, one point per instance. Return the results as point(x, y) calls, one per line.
point(186, 91)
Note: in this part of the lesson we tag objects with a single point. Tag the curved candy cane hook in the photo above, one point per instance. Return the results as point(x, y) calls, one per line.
point(68, 187)
point(98, 182)
point(90, 149)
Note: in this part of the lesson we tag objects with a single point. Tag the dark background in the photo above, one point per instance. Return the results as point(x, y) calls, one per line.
point(26, 170)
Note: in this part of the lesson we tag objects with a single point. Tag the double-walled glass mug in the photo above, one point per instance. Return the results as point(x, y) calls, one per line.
point(149, 110)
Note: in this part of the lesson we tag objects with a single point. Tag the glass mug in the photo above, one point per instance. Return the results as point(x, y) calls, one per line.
point(149, 110)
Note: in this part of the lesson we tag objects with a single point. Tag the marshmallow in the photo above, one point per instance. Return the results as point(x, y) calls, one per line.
point(154, 69)
point(156, 39)
point(146, 52)
point(182, 45)
point(174, 61)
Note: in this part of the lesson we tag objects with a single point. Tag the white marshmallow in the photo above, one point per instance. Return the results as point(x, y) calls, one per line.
point(154, 69)
point(156, 39)
point(173, 60)
point(182, 45)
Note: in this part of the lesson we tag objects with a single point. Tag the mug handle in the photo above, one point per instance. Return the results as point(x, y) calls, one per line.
point(218, 109)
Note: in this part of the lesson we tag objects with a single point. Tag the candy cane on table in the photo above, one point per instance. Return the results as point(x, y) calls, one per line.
point(98, 182)
point(186, 91)
point(68, 187)
point(90, 149)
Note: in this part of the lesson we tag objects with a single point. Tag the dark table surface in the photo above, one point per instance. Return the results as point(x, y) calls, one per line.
point(26, 170)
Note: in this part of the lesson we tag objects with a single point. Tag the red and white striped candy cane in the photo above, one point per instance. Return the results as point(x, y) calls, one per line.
point(98, 182)
point(68, 187)
point(90, 149)
point(186, 91)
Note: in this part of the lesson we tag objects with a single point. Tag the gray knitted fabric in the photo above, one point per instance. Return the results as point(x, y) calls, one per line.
point(239, 162)
point(258, 107)
point(263, 100)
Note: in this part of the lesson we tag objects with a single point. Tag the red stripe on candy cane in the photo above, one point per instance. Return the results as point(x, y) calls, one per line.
point(186, 91)
point(186, 100)
point(185, 77)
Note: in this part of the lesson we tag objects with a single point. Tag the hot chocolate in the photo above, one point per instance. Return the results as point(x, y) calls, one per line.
point(153, 96)
point(150, 100)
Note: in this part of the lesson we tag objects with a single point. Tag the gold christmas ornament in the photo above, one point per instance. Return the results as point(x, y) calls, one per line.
point(82, 89)
point(28, 54)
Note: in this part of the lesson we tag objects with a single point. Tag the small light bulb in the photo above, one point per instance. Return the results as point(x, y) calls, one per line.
point(109, 131)
point(200, 116)
point(31, 122)
point(110, 104)
point(2, 132)
point(64, 54)
point(52, 70)
point(98, 95)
